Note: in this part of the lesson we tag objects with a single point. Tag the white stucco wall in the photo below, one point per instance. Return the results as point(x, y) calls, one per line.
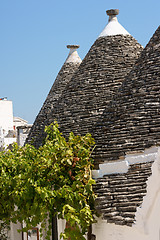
point(61, 226)
point(14, 234)
point(105, 231)
point(8, 141)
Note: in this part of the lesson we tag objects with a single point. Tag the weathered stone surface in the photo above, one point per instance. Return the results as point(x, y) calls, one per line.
point(88, 92)
point(121, 199)
point(131, 121)
point(37, 135)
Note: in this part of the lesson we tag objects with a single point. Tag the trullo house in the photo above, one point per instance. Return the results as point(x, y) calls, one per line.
point(115, 95)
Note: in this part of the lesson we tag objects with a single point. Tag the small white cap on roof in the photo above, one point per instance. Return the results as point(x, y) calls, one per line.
point(113, 27)
point(73, 56)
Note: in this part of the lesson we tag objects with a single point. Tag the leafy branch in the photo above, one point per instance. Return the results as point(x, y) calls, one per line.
point(36, 184)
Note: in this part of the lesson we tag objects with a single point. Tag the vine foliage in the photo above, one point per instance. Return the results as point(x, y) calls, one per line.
point(37, 184)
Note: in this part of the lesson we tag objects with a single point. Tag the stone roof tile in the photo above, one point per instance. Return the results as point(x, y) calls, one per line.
point(86, 94)
point(69, 67)
point(131, 121)
point(99, 76)
point(119, 195)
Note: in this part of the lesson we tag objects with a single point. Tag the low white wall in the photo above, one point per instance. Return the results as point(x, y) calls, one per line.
point(61, 226)
point(106, 231)
point(148, 216)
point(14, 234)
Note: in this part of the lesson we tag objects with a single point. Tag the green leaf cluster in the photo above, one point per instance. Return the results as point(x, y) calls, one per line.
point(36, 184)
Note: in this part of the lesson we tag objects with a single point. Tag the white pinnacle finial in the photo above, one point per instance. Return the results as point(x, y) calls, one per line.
point(73, 56)
point(113, 27)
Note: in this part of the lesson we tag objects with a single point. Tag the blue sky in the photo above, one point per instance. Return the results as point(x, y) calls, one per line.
point(34, 35)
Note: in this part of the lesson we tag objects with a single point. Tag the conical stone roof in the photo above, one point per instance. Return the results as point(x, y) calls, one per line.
point(131, 122)
point(100, 74)
point(69, 67)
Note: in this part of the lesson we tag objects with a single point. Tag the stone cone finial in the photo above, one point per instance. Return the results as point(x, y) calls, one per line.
point(113, 27)
point(73, 56)
point(73, 46)
point(112, 13)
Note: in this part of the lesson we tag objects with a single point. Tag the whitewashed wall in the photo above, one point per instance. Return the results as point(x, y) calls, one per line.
point(14, 234)
point(8, 141)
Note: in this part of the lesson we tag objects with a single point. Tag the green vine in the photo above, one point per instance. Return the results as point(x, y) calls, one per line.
point(36, 184)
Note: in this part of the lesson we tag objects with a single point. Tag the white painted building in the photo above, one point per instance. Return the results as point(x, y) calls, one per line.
point(6, 116)
point(10, 126)
point(7, 131)
point(12, 129)
point(17, 121)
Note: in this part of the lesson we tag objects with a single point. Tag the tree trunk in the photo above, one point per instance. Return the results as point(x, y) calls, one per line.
point(54, 228)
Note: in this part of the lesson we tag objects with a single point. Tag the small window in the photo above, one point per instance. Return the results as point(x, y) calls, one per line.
point(33, 234)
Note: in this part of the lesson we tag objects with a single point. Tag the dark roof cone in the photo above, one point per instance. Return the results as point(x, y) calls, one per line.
point(102, 71)
point(69, 67)
point(131, 121)
point(97, 79)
